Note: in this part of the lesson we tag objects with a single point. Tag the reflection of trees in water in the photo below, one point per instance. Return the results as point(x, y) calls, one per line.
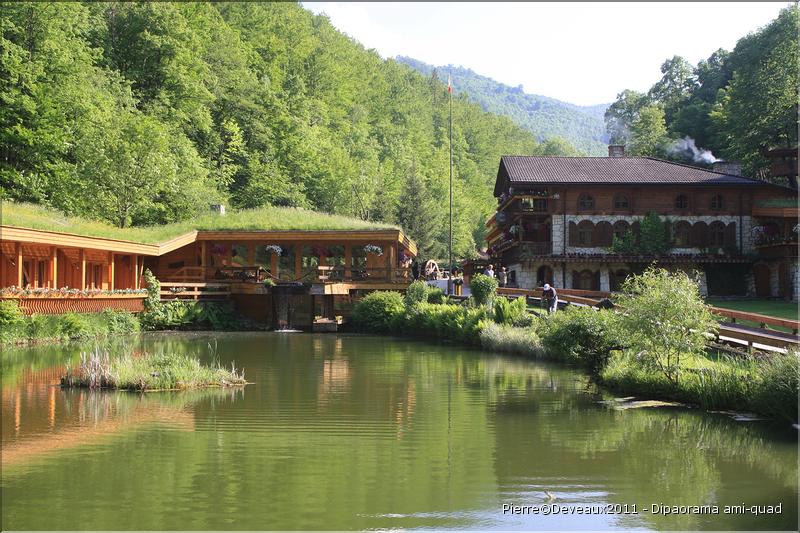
point(644, 456)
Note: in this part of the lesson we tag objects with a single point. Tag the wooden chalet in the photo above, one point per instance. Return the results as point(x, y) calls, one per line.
point(557, 218)
point(55, 272)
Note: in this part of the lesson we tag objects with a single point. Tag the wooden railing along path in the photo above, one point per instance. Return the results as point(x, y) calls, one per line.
point(727, 330)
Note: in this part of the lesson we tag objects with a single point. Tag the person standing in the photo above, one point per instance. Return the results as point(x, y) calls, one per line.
point(489, 271)
point(551, 297)
point(502, 276)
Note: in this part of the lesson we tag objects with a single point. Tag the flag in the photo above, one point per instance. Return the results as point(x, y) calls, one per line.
point(449, 85)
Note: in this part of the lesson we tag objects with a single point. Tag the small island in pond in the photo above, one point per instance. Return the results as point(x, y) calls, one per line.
point(148, 372)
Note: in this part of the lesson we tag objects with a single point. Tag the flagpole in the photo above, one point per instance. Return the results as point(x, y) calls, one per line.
point(450, 240)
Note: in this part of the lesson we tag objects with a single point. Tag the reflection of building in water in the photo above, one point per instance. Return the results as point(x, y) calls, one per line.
point(335, 379)
point(404, 409)
point(47, 418)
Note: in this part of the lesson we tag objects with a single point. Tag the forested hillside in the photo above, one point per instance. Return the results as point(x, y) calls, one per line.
point(143, 113)
point(732, 105)
point(546, 118)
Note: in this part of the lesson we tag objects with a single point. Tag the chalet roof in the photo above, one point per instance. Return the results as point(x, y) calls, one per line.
point(607, 171)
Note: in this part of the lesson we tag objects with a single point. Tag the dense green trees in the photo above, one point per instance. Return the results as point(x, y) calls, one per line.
point(734, 104)
point(142, 113)
point(581, 127)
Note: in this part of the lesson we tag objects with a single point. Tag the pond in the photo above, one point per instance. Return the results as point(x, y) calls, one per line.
point(360, 432)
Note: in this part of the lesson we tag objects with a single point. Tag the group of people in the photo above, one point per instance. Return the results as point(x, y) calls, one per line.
point(549, 294)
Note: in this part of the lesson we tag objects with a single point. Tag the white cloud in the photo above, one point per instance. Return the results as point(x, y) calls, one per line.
point(579, 52)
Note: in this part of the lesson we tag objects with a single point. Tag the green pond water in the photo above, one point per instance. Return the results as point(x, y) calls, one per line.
point(359, 432)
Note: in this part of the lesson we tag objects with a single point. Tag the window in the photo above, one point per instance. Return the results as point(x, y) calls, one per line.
point(621, 202)
point(585, 201)
point(682, 202)
point(240, 255)
point(717, 202)
point(717, 234)
point(586, 280)
point(585, 230)
point(620, 229)
point(680, 234)
point(540, 205)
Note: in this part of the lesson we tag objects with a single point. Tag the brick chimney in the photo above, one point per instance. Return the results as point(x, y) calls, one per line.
point(728, 167)
point(616, 150)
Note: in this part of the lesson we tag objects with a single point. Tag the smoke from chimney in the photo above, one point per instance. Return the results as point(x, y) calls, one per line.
point(687, 148)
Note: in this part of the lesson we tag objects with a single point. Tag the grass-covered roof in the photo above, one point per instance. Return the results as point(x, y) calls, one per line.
point(34, 216)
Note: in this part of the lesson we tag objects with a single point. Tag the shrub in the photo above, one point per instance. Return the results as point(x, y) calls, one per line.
point(510, 339)
point(378, 311)
point(664, 318)
point(120, 322)
point(12, 321)
point(153, 290)
point(416, 293)
point(483, 289)
point(43, 327)
point(436, 296)
point(445, 321)
point(74, 326)
point(581, 335)
point(509, 312)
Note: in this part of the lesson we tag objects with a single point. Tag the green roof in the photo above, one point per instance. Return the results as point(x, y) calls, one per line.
point(34, 216)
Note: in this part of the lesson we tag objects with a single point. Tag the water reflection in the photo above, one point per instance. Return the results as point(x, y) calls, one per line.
point(348, 432)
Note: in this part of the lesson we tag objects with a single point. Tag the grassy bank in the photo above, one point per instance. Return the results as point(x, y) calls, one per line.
point(149, 372)
point(620, 351)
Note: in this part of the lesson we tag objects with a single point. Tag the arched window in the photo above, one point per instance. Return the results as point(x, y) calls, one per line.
point(620, 229)
point(716, 232)
point(717, 202)
point(682, 201)
point(621, 202)
point(585, 201)
point(585, 232)
point(681, 232)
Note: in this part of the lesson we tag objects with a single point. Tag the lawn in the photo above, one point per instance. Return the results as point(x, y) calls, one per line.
point(776, 308)
point(25, 215)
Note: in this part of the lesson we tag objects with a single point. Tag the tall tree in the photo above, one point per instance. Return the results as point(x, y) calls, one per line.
point(649, 132)
point(620, 115)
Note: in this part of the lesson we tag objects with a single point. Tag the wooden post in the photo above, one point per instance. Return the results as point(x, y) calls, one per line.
point(298, 261)
point(19, 264)
point(348, 261)
point(83, 269)
point(111, 271)
point(54, 266)
point(390, 260)
point(3, 269)
point(203, 258)
point(273, 265)
point(135, 265)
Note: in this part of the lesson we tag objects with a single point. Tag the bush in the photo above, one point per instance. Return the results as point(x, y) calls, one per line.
point(502, 338)
point(12, 321)
point(509, 312)
point(120, 322)
point(581, 335)
point(483, 289)
point(378, 311)
point(416, 293)
point(445, 321)
point(665, 318)
point(74, 326)
point(436, 296)
point(41, 327)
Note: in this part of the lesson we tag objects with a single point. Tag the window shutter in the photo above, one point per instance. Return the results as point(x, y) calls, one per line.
point(637, 232)
point(730, 234)
point(699, 235)
point(668, 231)
point(596, 284)
point(573, 234)
point(576, 279)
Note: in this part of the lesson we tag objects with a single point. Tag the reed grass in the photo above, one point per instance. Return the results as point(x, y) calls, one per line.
point(149, 372)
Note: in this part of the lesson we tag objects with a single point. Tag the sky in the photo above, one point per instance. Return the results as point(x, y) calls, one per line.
point(583, 53)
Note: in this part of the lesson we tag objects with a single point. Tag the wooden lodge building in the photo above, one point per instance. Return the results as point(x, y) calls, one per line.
point(557, 218)
point(54, 272)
